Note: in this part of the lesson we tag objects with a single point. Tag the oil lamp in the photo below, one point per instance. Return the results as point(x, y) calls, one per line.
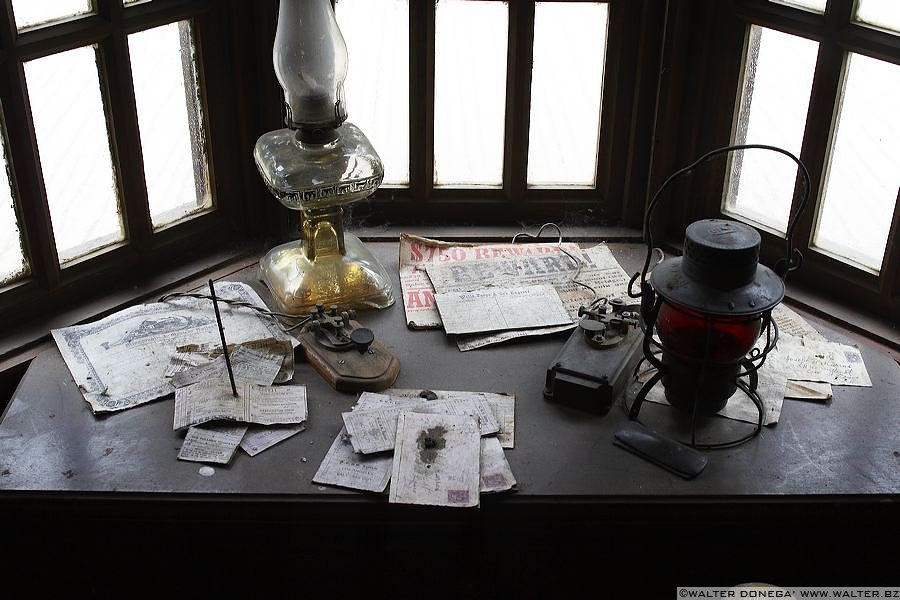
point(316, 165)
point(709, 308)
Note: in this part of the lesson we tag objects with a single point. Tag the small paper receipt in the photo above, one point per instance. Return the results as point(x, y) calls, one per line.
point(345, 468)
point(436, 461)
point(497, 309)
point(211, 443)
point(213, 400)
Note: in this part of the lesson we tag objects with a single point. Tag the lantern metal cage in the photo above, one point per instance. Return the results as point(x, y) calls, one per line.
point(723, 298)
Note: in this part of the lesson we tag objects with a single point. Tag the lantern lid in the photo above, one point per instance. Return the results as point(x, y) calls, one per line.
point(719, 273)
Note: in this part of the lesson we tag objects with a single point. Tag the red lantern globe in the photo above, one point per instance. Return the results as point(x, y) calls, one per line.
point(709, 307)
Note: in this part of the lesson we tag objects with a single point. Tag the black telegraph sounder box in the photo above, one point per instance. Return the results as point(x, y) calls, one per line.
point(596, 363)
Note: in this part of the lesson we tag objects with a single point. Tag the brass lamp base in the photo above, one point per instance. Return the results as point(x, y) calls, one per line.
point(352, 279)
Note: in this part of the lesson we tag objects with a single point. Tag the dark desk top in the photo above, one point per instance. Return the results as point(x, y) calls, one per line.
point(51, 442)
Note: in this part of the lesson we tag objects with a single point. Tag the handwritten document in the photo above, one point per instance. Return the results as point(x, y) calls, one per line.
point(375, 430)
point(120, 362)
point(211, 443)
point(497, 309)
point(503, 407)
point(344, 467)
point(437, 460)
point(264, 405)
point(803, 359)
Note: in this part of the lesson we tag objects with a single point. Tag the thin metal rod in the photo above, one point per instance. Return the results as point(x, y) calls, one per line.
point(212, 293)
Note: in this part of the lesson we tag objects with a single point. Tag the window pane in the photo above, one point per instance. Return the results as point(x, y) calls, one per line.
point(70, 125)
point(863, 179)
point(170, 120)
point(37, 12)
point(469, 92)
point(816, 5)
point(881, 13)
point(566, 89)
point(12, 259)
point(377, 86)
point(774, 102)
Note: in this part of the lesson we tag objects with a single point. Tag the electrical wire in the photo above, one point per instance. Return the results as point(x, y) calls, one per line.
point(276, 316)
point(578, 262)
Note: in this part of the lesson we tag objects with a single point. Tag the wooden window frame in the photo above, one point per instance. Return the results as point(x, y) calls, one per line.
point(49, 286)
point(629, 89)
point(706, 59)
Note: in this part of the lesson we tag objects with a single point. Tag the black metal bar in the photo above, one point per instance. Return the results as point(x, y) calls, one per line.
point(212, 293)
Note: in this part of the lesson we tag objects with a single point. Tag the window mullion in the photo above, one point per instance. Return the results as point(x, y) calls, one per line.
point(816, 147)
point(37, 231)
point(520, 47)
point(421, 98)
point(123, 124)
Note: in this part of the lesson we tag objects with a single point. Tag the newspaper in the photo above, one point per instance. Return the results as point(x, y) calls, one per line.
point(211, 443)
point(496, 476)
point(418, 252)
point(802, 359)
point(770, 387)
point(496, 309)
point(437, 460)
point(375, 430)
point(120, 362)
point(264, 405)
point(503, 407)
point(345, 468)
point(600, 270)
point(259, 438)
point(191, 356)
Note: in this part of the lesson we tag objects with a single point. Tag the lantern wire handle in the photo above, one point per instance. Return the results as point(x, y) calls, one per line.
point(793, 257)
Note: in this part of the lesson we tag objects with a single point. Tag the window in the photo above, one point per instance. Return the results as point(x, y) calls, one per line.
point(819, 79)
point(502, 108)
point(106, 144)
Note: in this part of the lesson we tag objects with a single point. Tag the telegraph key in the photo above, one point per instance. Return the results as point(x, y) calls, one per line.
point(596, 363)
point(346, 354)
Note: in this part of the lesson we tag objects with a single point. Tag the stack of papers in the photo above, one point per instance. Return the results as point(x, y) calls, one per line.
point(445, 451)
point(217, 422)
point(487, 294)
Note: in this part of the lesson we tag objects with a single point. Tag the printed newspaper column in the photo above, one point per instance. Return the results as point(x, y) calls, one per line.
point(436, 461)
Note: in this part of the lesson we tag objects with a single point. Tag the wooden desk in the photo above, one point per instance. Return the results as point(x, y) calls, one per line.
point(825, 470)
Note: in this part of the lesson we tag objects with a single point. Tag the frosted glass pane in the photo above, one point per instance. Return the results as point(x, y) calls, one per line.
point(377, 86)
point(36, 12)
point(469, 92)
point(12, 259)
point(566, 89)
point(815, 5)
point(73, 143)
point(774, 102)
point(881, 13)
point(170, 122)
point(863, 179)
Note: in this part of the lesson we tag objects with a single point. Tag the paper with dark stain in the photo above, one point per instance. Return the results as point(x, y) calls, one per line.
point(436, 460)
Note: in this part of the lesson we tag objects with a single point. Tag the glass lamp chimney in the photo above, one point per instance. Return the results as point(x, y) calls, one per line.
point(310, 59)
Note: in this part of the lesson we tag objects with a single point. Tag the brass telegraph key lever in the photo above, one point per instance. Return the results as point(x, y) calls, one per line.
point(346, 354)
